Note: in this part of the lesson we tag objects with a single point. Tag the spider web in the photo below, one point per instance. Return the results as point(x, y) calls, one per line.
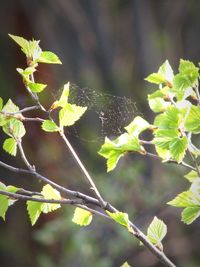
point(106, 114)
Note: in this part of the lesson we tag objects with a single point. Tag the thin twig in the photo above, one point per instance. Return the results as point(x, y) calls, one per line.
point(23, 156)
point(20, 111)
point(83, 169)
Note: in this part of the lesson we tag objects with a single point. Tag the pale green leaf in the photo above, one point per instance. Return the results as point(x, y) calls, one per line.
point(157, 230)
point(14, 128)
point(192, 123)
point(155, 78)
point(49, 58)
point(137, 126)
point(185, 199)
point(34, 210)
point(1, 103)
point(10, 146)
point(49, 192)
point(158, 104)
point(190, 214)
point(191, 176)
point(178, 147)
point(37, 87)
point(70, 114)
point(62, 102)
point(166, 71)
point(82, 217)
point(10, 107)
point(3, 206)
point(49, 126)
point(113, 150)
point(120, 217)
point(125, 265)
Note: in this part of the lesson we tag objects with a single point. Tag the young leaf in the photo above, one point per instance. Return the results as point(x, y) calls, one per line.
point(49, 126)
point(1, 103)
point(14, 128)
point(50, 193)
point(120, 217)
point(62, 102)
point(192, 123)
point(49, 58)
point(10, 107)
point(155, 78)
point(191, 176)
point(37, 87)
point(157, 230)
point(185, 199)
point(70, 114)
point(113, 150)
point(3, 206)
point(178, 148)
point(125, 265)
point(10, 146)
point(158, 104)
point(190, 214)
point(166, 71)
point(23, 43)
point(34, 210)
point(137, 126)
point(82, 217)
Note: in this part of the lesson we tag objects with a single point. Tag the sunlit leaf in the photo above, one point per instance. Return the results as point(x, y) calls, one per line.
point(120, 217)
point(190, 214)
point(10, 146)
point(49, 126)
point(82, 217)
point(37, 87)
point(49, 58)
point(50, 193)
point(157, 230)
point(70, 114)
point(34, 210)
point(185, 199)
point(137, 126)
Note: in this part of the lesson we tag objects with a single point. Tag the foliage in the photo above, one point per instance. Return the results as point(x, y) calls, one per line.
point(176, 104)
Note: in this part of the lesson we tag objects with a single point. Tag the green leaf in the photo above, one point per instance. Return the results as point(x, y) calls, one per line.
point(113, 150)
point(10, 107)
point(31, 49)
point(120, 218)
point(185, 199)
point(3, 206)
point(23, 43)
point(70, 114)
point(125, 265)
point(166, 71)
point(14, 128)
point(155, 78)
point(191, 176)
point(34, 210)
point(163, 138)
point(178, 147)
point(62, 102)
point(50, 193)
point(28, 71)
point(82, 217)
point(49, 126)
point(10, 146)
point(137, 126)
point(192, 123)
point(187, 77)
point(1, 103)
point(3, 202)
point(157, 230)
point(37, 87)
point(164, 75)
point(49, 58)
point(190, 214)
point(170, 119)
point(158, 104)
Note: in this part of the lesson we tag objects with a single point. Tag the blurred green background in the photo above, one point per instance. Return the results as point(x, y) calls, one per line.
point(109, 46)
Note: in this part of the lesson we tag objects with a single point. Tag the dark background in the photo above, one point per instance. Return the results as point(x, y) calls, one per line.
point(109, 46)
